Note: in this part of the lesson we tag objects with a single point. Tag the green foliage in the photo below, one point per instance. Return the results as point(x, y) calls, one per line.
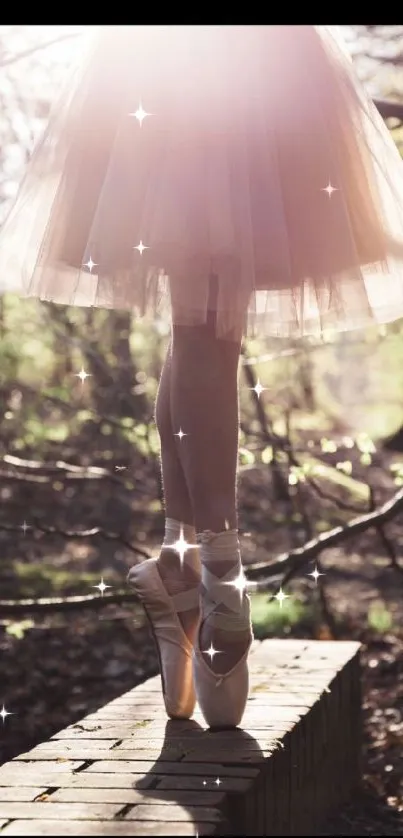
point(37, 431)
point(9, 359)
point(267, 455)
point(379, 618)
point(269, 618)
point(328, 446)
point(397, 469)
point(246, 457)
point(19, 628)
point(43, 579)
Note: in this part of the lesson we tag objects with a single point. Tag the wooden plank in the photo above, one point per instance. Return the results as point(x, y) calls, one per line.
point(168, 768)
point(278, 712)
point(105, 828)
point(254, 719)
point(257, 740)
point(169, 752)
point(134, 796)
point(25, 773)
point(143, 775)
point(65, 811)
point(25, 778)
point(173, 812)
point(229, 785)
point(14, 794)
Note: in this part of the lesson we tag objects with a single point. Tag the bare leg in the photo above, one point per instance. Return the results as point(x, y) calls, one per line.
point(176, 495)
point(177, 501)
point(204, 403)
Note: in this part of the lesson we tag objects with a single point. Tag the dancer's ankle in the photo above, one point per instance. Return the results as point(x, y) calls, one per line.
point(174, 557)
point(223, 581)
point(180, 572)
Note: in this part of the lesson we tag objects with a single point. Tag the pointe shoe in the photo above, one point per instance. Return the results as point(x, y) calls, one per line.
point(173, 646)
point(222, 696)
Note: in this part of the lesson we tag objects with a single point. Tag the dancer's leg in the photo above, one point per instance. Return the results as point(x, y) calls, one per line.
point(204, 403)
point(177, 501)
point(178, 507)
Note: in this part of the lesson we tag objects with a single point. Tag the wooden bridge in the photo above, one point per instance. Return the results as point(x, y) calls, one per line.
point(126, 770)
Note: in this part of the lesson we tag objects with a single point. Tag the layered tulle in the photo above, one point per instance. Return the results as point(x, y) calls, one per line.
point(261, 162)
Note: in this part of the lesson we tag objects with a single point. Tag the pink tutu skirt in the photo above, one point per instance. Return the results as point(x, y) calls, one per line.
point(247, 159)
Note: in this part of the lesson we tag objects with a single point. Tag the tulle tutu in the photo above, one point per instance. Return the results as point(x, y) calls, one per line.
point(261, 163)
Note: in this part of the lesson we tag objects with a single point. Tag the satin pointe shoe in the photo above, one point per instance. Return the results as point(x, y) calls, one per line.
point(222, 696)
point(173, 646)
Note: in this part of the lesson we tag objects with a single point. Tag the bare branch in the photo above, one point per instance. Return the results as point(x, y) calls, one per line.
point(290, 562)
point(308, 348)
point(11, 608)
point(387, 544)
point(268, 434)
point(71, 534)
point(42, 472)
point(329, 617)
point(294, 560)
point(280, 485)
point(341, 504)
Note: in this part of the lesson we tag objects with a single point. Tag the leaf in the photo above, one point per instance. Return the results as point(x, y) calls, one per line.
point(328, 445)
point(267, 455)
point(345, 466)
point(247, 457)
point(19, 628)
point(364, 444)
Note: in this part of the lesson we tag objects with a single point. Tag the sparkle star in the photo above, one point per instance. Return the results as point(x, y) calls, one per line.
point(211, 652)
point(329, 189)
point(101, 586)
point(90, 264)
point(4, 713)
point(258, 388)
point(181, 546)
point(239, 583)
point(315, 574)
point(280, 597)
point(140, 114)
point(82, 375)
point(140, 247)
point(24, 527)
point(180, 434)
point(217, 781)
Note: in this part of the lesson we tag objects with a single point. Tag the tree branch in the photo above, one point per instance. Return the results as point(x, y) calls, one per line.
point(387, 544)
point(11, 608)
point(294, 560)
point(277, 442)
point(290, 562)
point(72, 471)
point(281, 488)
point(328, 615)
point(78, 534)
